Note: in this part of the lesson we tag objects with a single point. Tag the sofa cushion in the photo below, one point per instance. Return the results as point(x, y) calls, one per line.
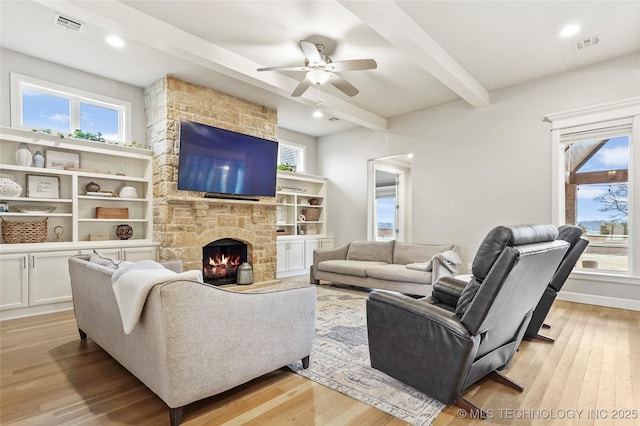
point(347, 267)
point(398, 273)
point(374, 251)
point(405, 253)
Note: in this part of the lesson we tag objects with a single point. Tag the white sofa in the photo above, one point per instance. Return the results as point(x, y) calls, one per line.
point(391, 265)
point(195, 340)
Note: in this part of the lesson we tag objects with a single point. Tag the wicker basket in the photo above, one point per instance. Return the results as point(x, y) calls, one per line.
point(15, 232)
point(311, 214)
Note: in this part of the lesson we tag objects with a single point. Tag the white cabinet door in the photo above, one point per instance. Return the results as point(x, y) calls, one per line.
point(290, 257)
point(49, 280)
point(296, 255)
point(14, 288)
point(281, 256)
point(134, 254)
point(311, 245)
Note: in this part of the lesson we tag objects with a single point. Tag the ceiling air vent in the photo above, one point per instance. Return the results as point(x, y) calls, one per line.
point(68, 23)
point(587, 42)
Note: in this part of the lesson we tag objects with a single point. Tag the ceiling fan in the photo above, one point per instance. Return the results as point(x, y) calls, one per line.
point(321, 69)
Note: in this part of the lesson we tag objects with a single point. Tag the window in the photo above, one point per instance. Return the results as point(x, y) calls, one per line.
point(595, 180)
point(38, 104)
point(292, 154)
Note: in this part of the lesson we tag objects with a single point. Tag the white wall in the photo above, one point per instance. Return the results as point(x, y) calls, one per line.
point(48, 71)
point(310, 142)
point(473, 169)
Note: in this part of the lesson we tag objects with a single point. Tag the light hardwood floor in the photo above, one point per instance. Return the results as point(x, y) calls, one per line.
point(51, 377)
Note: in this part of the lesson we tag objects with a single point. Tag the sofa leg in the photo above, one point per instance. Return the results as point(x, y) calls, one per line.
point(497, 377)
point(175, 416)
point(469, 407)
point(305, 362)
point(83, 335)
point(312, 278)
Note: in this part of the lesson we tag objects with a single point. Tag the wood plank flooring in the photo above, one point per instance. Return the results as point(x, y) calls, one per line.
point(51, 377)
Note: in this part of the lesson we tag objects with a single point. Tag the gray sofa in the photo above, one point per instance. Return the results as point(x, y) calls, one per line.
point(194, 340)
point(391, 265)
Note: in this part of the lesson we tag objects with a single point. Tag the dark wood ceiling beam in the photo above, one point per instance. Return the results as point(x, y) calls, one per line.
point(610, 176)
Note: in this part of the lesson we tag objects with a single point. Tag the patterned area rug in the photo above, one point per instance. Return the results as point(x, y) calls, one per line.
point(340, 360)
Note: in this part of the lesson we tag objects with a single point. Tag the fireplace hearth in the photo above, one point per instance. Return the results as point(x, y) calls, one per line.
point(220, 260)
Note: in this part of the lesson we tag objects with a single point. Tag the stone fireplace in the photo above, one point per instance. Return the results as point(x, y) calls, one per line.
point(186, 221)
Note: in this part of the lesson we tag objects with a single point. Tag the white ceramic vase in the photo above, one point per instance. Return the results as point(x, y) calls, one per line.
point(9, 187)
point(128, 191)
point(38, 159)
point(24, 157)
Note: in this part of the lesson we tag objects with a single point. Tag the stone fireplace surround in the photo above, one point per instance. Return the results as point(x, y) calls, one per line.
point(185, 221)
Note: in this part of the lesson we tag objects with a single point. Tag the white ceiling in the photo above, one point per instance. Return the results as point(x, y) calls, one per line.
point(428, 52)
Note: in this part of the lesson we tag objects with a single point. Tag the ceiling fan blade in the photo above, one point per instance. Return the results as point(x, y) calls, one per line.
point(343, 85)
point(311, 52)
point(302, 87)
point(284, 69)
point(352, 65)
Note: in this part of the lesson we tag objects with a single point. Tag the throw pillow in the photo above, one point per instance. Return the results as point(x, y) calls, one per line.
point(104, 261)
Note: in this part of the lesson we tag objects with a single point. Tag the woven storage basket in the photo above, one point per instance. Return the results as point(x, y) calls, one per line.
point(14, 232)
point(311, 214)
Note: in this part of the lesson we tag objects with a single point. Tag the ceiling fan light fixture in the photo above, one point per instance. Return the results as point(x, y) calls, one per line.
point(317, 113)
point(318, 76)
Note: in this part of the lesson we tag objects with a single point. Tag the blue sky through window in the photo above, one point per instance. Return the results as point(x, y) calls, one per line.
point(386, 208)
point(96, 119)
point(614, 155)
point(45, 111)
point(42, 110)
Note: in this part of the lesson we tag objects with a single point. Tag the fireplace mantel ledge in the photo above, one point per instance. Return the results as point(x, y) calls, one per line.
point(183, 200)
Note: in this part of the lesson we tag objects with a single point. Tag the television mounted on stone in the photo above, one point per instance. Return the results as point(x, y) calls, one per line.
point(224, 163)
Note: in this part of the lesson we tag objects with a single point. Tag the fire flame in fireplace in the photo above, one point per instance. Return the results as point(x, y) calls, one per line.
point(221, 266)
point(224, 260)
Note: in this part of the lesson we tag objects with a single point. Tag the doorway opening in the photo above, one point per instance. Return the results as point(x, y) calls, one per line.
point(389, 198)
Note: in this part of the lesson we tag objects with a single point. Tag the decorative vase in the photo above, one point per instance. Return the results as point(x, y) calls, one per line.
point(92, 187)
point(9, 187)
point(124, 232)
point(128, 191)
point(24, 157)
point(38, 159)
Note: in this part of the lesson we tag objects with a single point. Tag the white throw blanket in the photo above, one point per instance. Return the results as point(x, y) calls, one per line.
point(449, 259)
point(131, 285)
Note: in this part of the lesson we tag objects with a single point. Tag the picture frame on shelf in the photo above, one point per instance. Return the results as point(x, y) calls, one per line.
point(40, 186)
point(281, 215)
point(62, 159)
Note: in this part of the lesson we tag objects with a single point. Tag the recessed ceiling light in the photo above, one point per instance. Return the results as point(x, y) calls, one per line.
point(569, 30)
point(115, 41)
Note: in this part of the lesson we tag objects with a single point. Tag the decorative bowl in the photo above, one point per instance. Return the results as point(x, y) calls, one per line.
point(34, 209)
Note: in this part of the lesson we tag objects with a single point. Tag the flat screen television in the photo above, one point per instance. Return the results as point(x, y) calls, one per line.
point(222, 162)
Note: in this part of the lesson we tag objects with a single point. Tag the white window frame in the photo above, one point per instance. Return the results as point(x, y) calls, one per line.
point(302, 154)
point(75, 97)
point(592, 118)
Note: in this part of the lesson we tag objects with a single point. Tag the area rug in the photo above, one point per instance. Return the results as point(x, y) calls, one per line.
point(340, 360)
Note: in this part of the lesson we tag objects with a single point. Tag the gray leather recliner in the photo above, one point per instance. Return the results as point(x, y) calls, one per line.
point(442, 348)
point(577, 244)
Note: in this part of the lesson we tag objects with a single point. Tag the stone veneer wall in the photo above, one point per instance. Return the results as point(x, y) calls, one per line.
point(185, 221)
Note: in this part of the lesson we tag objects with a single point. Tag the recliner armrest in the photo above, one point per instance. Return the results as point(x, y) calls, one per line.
point(448, 290)
point(426, 310)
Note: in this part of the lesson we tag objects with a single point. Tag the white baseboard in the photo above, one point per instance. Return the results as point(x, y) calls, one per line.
point(590, 299)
